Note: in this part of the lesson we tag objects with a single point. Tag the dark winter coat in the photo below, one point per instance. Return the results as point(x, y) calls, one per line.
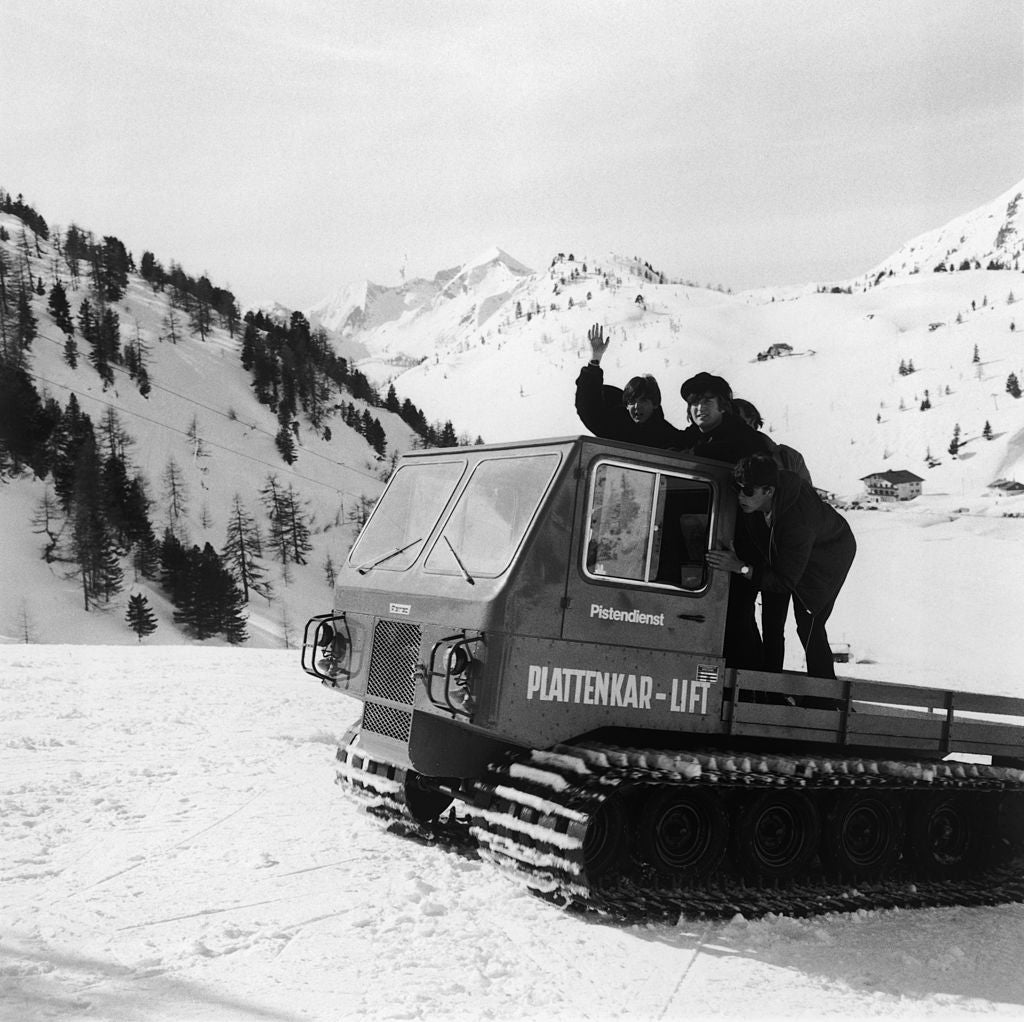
point(601, 410)
point(789, 457)
point(729, 441)
point(808, 548)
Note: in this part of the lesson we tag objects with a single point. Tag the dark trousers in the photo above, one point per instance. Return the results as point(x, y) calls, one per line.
point(743, 646)
point(811, 629)
point(774, 611)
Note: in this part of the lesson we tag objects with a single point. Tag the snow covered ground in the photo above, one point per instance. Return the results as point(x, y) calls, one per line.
point(174, 848)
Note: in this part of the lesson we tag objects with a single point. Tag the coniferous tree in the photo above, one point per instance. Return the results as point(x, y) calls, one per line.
point(60, 309)
point(297, 527)
point(93, 544)
point(249, 337)
point(1012, 385)
point(75, 249)
point(285, 444)
point(5, 301)
point(48, 521)
point(25, 422)
point(330, 572)
point(191, 595)
point(234, 615)
point(114, 264)
point(987, 430)
point(110, 336)
point(289, 530)
point(140, 617)
point(200, 316)
point(72, 430)
point(26, 325)
point(242, 550)
point(173, 559)
point(175, 493)
point(447, 436)
point(172, 327)
point(359, 512)
point(71, 352)
point(209, 602)
point(954, 444)
point(146, 557)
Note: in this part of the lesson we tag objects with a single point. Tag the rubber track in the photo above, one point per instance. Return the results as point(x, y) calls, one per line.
point(530, 815)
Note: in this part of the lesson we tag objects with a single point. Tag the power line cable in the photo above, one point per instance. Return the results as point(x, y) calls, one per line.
point(216, 411)
point(211, 443)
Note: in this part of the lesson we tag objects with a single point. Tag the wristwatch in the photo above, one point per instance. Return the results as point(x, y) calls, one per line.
point(746, 570)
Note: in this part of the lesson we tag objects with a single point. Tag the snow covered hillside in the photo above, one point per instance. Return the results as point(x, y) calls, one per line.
point(175, 851)
point(203, 415)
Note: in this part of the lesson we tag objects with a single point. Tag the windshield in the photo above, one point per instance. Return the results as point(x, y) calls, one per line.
point(492, 516)
point(405, 516)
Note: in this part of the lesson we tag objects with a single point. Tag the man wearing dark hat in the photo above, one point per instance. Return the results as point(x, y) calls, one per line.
point(803, 546)
point(633, 414)
point(714, 431)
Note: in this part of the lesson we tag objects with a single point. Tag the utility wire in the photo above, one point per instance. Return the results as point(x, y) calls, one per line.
point(216, 411)
point(211, 443)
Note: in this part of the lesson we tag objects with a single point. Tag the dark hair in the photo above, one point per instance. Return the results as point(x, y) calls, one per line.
point(705, 383)
point(641, 387)
point(748, 412)
point(756, 470)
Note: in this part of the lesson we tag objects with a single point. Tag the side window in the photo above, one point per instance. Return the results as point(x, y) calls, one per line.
point(648, 526)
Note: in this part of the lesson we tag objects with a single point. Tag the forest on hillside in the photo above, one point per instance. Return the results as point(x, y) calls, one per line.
point(96, 517)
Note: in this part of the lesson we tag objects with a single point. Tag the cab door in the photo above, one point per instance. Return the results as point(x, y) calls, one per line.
point(638, 574)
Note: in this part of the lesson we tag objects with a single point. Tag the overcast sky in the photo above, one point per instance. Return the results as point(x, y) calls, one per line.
point(289, 147)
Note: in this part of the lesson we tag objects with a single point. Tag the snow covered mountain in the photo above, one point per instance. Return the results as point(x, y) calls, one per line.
point(505, 351)
point(989, 237)
point(395, 324)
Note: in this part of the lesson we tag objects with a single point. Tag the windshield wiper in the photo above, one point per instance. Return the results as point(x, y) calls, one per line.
point(363, 569)
point(458, 560)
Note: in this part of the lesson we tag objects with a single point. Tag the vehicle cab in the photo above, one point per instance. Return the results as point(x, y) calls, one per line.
point(525, 594)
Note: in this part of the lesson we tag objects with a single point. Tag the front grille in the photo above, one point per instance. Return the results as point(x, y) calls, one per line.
point(387, 720)
point(396, 649)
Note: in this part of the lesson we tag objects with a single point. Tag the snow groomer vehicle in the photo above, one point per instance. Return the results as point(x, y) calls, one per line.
point(537, 642)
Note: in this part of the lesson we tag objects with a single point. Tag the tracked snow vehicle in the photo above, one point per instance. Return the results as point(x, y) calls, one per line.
point(537, 642)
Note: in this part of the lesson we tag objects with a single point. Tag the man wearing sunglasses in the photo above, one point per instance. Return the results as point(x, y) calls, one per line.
point(774, 606)
point(804, 546)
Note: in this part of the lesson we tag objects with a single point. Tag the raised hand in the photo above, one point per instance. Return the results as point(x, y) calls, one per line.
point(598, 345)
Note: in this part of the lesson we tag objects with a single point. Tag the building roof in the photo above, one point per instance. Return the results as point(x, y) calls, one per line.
point(894, 476)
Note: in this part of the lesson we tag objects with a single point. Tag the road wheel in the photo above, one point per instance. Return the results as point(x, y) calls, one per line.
point(776, 834)
point(1007, 824)
point(863, 834)
point(943, 834)
point(683, 831)
point(604, 843)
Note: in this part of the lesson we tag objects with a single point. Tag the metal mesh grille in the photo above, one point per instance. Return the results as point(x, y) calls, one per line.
point(396, 648)
point(387, 720)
